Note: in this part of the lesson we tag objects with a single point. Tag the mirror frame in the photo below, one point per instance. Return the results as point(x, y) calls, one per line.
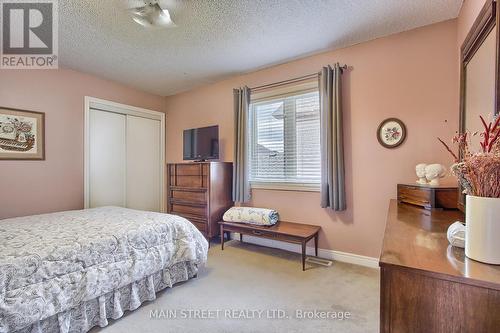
point(486, 21)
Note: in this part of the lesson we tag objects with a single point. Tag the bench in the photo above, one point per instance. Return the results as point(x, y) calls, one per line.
point(289, 232)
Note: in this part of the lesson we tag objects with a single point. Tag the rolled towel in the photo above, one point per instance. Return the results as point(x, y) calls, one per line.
point(456, 234)
point(251, 215)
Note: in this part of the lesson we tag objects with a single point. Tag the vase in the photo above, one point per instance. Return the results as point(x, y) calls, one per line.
point(482, 229)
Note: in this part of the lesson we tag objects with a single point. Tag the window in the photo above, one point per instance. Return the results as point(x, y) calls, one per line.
point(284, 139)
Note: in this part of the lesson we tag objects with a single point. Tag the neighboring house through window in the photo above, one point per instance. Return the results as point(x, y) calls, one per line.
point(285, 137)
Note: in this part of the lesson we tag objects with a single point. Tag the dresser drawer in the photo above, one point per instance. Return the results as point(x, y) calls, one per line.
point(189, 181)
point(202, 226)
point(191, 196)
point(194, 169)
point(260, 233)
point(447, 199)
point(415, 195)
point(199, 222)
point(190, 210)
point(250, 232)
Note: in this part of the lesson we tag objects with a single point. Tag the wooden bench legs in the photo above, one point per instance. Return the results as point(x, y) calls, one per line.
point(223, 233)
point(304, 255)
point(222, 237)
point(316, 244)
point(258, 232)
point(304, 247)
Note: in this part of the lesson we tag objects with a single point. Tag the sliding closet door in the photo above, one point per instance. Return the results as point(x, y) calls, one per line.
point(143, 163)
point(107, 159)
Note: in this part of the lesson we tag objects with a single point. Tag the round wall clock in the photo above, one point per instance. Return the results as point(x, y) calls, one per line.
point(391, 133)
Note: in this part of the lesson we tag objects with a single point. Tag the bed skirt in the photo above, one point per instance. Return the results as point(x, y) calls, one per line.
point(95, 312)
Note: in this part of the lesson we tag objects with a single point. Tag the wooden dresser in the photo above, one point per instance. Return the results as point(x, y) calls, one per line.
point(200, 192)
point(426, 285)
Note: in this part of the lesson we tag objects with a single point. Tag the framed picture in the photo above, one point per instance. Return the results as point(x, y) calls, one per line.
point(391, 133)
point(22, 134)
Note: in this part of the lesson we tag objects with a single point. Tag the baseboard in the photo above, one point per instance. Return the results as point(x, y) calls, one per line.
point(350, 258)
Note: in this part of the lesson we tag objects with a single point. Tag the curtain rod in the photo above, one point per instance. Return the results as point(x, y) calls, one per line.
point(295, 79)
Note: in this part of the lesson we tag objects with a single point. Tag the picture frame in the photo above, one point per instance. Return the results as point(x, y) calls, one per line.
point(391, 133)
point(22, 134)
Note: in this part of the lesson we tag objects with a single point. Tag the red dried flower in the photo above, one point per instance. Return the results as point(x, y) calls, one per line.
point(479, 173)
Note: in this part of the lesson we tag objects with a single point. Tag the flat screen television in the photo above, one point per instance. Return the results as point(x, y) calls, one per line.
point(201, 144)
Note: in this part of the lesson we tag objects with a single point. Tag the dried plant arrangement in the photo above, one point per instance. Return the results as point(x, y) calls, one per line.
point(478, 171)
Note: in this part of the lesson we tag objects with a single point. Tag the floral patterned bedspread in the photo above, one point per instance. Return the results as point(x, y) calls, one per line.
point(50, 263)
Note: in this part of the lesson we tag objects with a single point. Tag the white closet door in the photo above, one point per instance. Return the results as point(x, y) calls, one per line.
point(107, 158)
point(143, 163)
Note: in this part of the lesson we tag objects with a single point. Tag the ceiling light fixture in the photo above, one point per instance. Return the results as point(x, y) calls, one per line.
point(151, 15)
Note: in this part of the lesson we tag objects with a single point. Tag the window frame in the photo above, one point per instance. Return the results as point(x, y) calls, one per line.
point(279, 185)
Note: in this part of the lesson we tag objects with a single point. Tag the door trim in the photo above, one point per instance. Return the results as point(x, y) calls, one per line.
point(109, 106)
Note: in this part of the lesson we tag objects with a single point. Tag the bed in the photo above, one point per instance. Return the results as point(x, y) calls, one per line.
point(70, 271)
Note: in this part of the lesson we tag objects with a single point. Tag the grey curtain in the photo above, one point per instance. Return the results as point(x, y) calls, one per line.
point(241, 184)
point(332, 141)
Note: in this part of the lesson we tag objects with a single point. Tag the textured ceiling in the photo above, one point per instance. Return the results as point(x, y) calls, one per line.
point(218, 38)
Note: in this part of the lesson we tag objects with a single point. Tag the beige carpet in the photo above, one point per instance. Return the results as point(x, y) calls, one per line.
point(246, 281)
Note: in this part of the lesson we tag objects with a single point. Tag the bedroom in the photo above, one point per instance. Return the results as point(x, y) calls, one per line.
point(115, 111)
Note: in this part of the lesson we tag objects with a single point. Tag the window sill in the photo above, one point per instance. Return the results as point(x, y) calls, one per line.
point(285, 187)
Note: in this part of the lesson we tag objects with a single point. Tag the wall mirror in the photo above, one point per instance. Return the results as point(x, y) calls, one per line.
point(479, 68)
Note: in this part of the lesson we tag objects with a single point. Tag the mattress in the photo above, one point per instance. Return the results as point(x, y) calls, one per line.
point(69, 271)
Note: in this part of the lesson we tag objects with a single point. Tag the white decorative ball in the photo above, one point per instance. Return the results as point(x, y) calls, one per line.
point(433, 172)
point(420, 171)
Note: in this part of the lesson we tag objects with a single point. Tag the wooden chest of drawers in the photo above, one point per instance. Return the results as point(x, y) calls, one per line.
point(200, 192)
point(428, 197)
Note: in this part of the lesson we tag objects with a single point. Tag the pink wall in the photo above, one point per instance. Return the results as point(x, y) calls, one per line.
point(31, 187)
point(411, 75)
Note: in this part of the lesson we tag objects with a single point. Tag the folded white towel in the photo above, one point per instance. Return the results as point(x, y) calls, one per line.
point(251, 215)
